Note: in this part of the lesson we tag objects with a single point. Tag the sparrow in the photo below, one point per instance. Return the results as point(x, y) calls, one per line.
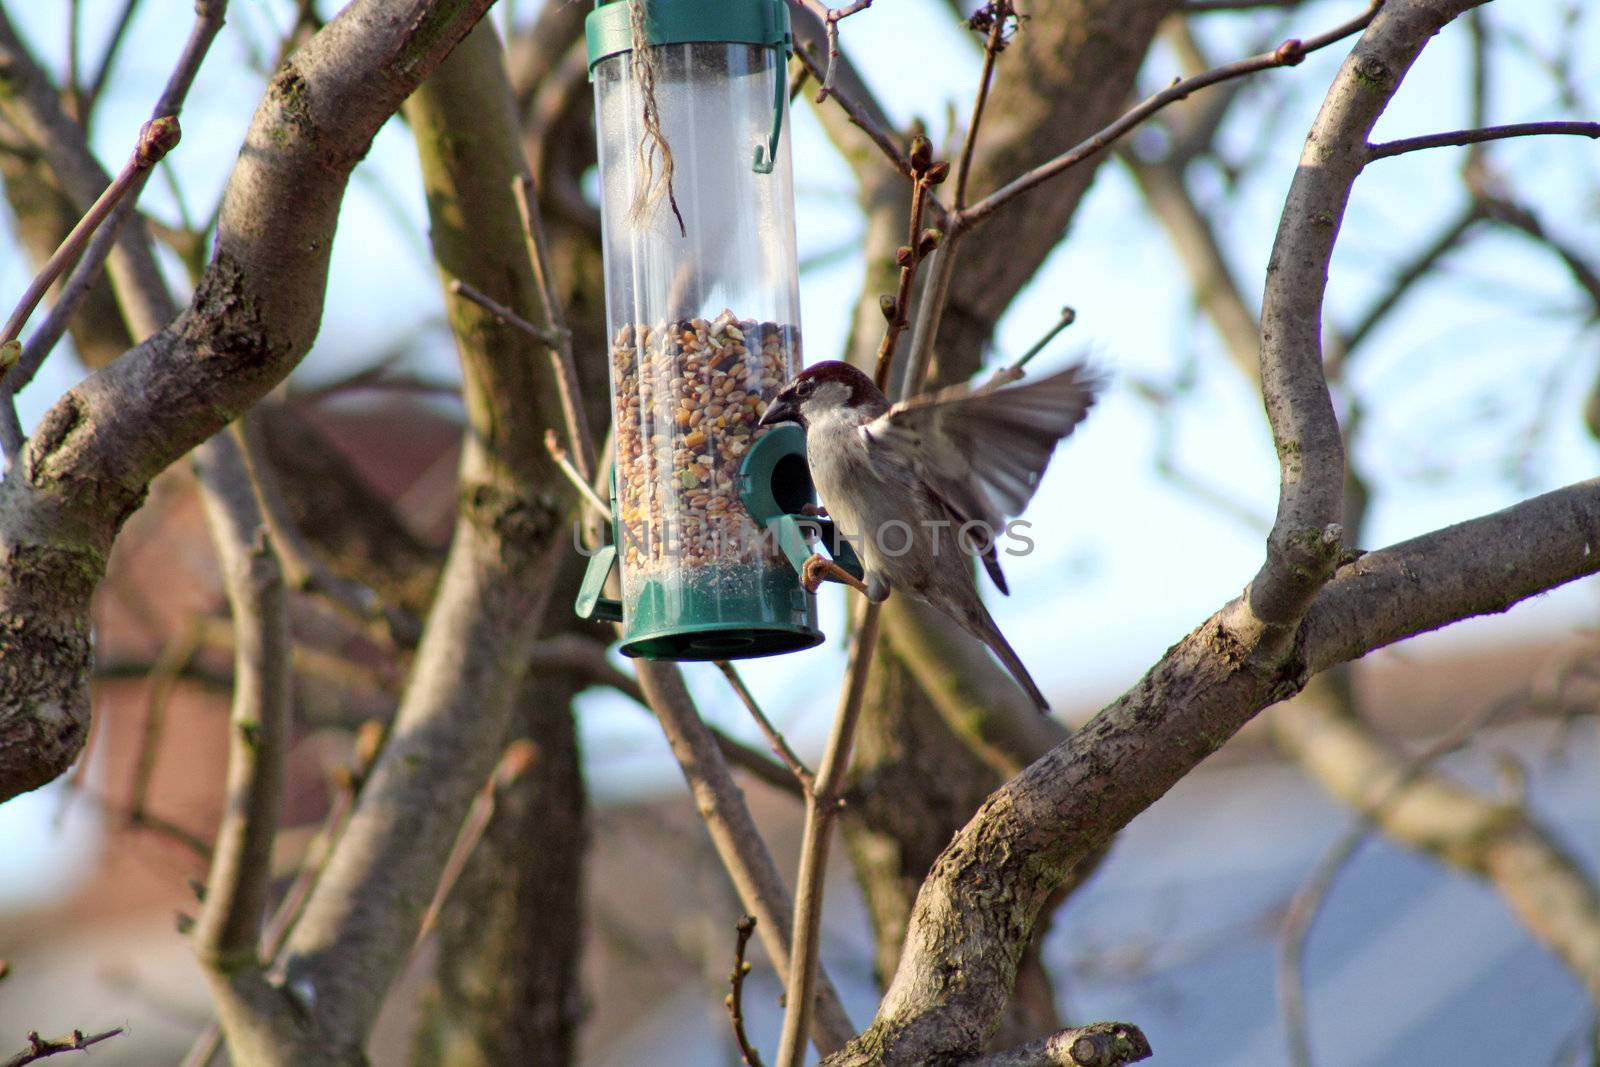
point(920, 486)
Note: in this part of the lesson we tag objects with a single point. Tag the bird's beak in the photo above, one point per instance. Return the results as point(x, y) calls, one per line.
point(782, 409)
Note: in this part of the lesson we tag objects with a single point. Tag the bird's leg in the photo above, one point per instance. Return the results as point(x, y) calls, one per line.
point(818, 570)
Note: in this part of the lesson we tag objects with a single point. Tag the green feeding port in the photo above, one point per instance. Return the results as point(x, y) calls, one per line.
point(737, 608)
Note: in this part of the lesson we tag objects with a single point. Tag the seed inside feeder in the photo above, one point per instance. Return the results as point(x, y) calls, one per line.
point(688, 395)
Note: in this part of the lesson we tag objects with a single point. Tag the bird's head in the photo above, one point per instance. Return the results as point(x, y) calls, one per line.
point(829, 388)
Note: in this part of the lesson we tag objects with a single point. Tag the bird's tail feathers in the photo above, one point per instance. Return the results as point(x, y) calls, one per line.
point(986, 631)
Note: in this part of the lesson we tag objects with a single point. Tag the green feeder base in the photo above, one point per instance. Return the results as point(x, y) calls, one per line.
point(767, 614)
point(726, 611)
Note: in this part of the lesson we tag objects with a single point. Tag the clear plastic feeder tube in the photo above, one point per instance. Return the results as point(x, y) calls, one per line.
point(702, 304)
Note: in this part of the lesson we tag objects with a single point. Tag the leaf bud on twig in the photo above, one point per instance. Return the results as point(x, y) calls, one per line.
point(921, 154)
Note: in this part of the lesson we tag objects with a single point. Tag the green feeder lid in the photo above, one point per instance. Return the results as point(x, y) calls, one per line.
point(608, 31)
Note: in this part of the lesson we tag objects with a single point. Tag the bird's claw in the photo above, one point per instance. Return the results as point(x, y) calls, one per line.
point(813, 574)
point(818, 570)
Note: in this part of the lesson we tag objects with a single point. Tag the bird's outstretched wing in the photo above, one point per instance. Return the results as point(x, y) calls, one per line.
point(981, 452)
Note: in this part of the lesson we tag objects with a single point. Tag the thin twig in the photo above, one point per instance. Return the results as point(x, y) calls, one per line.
point(1067, 318)
point(993, 16)
point(1478, 86)
point(775, 739)
point(108, 59)
point(1016, 371)
point(74, 78)
point(369, 740)
point(1307, 901)
point(919, 245)
point(826, 798)
point(1501, 208)
point(237, 887)
point(566, 370)
point(40, 1047)
point(1288, 54)
point(144, 819)
point(348, 783)
point(552, 444)
point(175, 655)
point(739, 845)
point(1419, 267)
point(503, 313)
point(13, 379)
point(930, 313)
point(1387, 149)
point(156, 139)
point(735, 998)
point(830, 23)
point(163, 125)
point(587, 659)
point(880, 135)
point(1297, 919)
point(518, 758)
point(305, 571)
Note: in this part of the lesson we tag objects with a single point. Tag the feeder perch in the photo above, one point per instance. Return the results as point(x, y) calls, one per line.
point(703, 312)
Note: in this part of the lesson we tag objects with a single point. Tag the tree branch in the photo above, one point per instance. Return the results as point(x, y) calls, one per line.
point(1454, 573)
point(41, 1047)
point(1305, 537)
point(1099, 1045)
point(1290, 53)
point(1388, 149)
point(229, 929)
point(1070, 70)
point(497, 578)
point(738, 843)
point(253, 317)
point(826, 796)
point(976, 910)
point(1321, 729)
point(117, 200)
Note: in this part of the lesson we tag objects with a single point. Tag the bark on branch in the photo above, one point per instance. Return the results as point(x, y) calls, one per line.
point(1305, 538)
point(978, 906)
point(364, 914)
point(229, 928)
point(254, 315)
point(977, 909)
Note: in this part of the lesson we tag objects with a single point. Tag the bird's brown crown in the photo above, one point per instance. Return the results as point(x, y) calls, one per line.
point(862, 390)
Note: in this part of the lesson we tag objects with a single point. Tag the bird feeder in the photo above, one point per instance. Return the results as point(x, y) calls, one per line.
point(703, 312)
